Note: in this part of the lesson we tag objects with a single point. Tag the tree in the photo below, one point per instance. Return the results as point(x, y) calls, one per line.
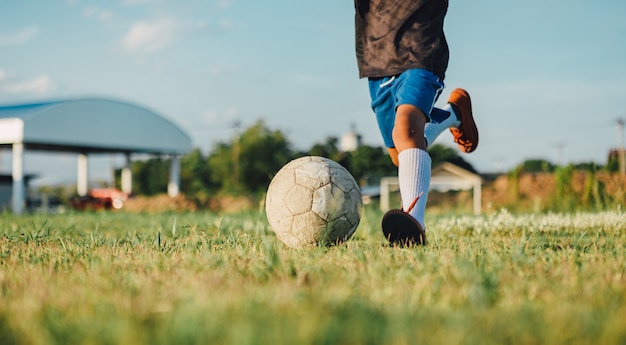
point(220, 164)
point(441, 153)
point(248, 163)
point(537, 165)
point(327, 149)
point(370, 162)
point(612, 165)
point(195, 177)
point(263, 153)
point(587, 166)
point(150, 177)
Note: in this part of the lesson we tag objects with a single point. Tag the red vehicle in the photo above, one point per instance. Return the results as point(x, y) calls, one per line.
point(101, 198)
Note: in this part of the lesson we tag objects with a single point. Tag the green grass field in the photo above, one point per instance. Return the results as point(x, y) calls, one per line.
point(202, 278)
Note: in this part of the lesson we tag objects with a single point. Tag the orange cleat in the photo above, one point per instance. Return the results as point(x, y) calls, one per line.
point(466, 136)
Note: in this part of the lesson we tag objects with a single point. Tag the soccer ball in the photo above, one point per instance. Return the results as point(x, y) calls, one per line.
point(313, 201)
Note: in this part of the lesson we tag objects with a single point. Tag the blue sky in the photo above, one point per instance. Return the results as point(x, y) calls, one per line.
point(547, 77)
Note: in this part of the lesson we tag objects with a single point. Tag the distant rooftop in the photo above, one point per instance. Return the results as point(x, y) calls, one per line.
point(90, 125)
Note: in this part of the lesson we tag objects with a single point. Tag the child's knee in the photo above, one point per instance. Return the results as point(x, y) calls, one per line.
point(408, 129)
point(393, 154)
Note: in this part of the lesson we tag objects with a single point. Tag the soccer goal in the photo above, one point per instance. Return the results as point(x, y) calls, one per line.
point(445, 176)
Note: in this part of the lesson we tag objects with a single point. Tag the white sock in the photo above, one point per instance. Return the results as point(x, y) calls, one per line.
point(414, 178)
point(434, 129)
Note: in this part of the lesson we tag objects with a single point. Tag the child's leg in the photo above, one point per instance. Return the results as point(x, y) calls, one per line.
point(402, 104)
point(442, 120)
point(414, 179)
point(457, 116)
point(414, 162)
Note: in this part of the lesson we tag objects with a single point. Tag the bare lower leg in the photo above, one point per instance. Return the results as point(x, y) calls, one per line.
point(408, 130)
point(413, 161)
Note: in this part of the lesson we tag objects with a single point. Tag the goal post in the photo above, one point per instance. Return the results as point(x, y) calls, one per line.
point(444, 177)
point(387, 185)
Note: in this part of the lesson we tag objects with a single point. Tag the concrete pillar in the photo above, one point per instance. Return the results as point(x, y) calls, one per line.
point(127, 176)
point(82, 178)
point(173, 187)
point(17, 169)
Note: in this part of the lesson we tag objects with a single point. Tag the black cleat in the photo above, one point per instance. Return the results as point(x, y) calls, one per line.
point(401, 229)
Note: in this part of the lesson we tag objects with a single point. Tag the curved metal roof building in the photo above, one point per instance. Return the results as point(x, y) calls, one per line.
point(84, 126)
point(91, 125)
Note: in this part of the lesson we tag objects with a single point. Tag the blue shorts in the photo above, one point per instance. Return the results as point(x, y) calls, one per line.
point(418, 87)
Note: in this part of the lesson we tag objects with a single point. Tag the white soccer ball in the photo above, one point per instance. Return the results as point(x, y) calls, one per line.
point(313, 201)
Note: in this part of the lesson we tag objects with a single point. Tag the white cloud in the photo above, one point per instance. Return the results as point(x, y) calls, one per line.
point(224, 3)
point(100, 14)
point(226, 24)
point(19, 38)
point(41, 84)
point(151, 36)
point(136, 2)
point(3, 74)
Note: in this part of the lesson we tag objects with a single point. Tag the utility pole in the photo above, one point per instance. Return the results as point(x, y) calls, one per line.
point(559, 151)
point(620, 143)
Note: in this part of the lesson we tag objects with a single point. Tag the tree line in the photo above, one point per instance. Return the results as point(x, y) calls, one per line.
point(246, 163)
